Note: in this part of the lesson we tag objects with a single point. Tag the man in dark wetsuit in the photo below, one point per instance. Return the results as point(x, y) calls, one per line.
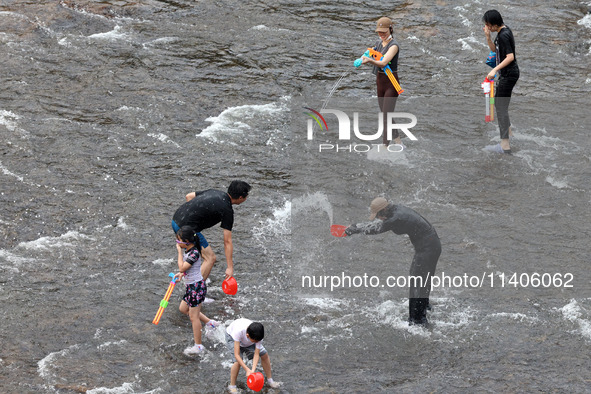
point(403, 220)
point(207, 208)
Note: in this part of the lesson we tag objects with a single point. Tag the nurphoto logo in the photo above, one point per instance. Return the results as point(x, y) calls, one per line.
point(344, 130)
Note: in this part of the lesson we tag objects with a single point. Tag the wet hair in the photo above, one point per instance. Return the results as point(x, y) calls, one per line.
point(186, 233)
point(256, 331)
point(493, 18)
point(238, 189)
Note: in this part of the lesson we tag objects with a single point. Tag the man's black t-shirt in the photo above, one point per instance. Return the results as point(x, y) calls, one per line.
point(208, 208)
point(505, 44)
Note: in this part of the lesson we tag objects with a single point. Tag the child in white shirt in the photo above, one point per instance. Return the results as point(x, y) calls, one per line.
point(245, 337)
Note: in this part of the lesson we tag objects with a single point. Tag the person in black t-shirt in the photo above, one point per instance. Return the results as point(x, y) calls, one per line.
point(504, 46)
point(205, 209)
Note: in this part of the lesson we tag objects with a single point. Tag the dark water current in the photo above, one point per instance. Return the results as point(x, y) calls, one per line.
point(111, 111)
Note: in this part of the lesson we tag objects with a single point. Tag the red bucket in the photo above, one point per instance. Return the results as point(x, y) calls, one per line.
point(256, 381)
point(230, 286)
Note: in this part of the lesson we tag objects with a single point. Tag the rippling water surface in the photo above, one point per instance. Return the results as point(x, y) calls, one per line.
point(111, 111)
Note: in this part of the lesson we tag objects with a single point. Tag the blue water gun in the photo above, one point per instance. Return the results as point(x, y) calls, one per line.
point(491, 60)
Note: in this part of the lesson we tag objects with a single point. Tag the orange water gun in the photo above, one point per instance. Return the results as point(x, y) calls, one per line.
point(378, 56)
point(164, 302)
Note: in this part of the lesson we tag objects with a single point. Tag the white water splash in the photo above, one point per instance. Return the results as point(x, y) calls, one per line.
point(6, 171)
point(395, 314)
point(312, 202)
point(466, 41)
point(112, 35)
point(234, 119)
point(123, 389)
point(65, 240)
point(163, 138)
point(515, 316)
point(163, 262)
point(557, 183)
point(572, 312)
point(9, 120)
point(108, 344)
point(44, 365)
point(266, 28)
point(160, 41)
point(271, 228)
point(327, 303)
point(14, 260)
point(585, 21)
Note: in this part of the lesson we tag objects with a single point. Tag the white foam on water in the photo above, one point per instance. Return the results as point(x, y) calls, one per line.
point(327, 303)
point(15, 15)
point(65, 42)
point(65, 240)
point(541, 140)
point(108, 344)
point(535, 157)
point(216, 335)
point(16, 261)
point(227, 364)
point(160, 41)
point(89, 13)
point(113, 35)
point(121, 223)
point(4, 37)
point(334, 328)
point(9, 120)
point(585, 21)
point(49, 367)
point(572, 312)
point(313, 202)
point(126, 108)
point(559, 184)
point(123, 389)
point(163, 138)
point(162, 262)
point(447, 316)
point(44, 365)
point(6, 171)
point(450, 320)
point(466, 41)
point(266, 28)
point(234, 119)
point(395, 314)
point(309, 330)
point(515, 316)
point(465, 21)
